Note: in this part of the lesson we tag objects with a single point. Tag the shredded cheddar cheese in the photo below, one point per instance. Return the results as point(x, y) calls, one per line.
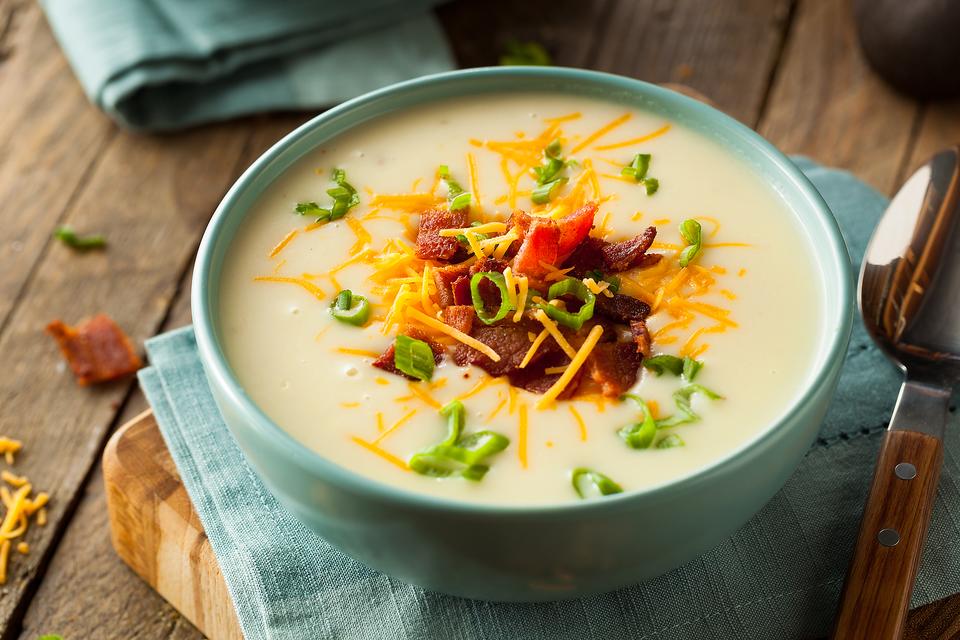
point(456, 334)
point(580, 423)
point(489, 227)
point(578, 359)
point(283, 243)
point(522, 436)
point(551, 327)
point(373, 448)
point(533, 348)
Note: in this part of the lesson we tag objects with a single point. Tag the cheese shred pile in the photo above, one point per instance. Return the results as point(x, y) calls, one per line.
point(20, 508)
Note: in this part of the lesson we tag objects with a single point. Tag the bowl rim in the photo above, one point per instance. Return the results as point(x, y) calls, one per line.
point(214, 362)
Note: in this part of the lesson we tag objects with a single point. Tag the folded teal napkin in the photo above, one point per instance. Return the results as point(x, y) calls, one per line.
point(778, 577)
point(167, 64)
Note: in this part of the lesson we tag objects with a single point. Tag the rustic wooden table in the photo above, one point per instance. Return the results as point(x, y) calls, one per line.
point(789, 68)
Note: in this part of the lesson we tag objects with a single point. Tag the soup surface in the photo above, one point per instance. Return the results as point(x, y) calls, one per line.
point(744, 309)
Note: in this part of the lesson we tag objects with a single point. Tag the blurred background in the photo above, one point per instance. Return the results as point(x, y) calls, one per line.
point(131, 119)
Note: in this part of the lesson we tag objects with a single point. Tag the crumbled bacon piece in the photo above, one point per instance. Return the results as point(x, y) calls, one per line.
point(511, 343)
point(574, 228)
point(539, 247)
point(587, 257)
point(97, 350)
point(621, 308)
point(460, 317)
point(461, 291)
point(620, 256)
point(614, 367)
point(641, 336)
point(446, 280)
point(385, 361)
point(488, 264)
point(534, 379)
point(430, 244)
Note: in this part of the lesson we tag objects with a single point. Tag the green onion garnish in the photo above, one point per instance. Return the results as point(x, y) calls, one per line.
point(639, 435)
point(637, 170)
point(664, 362)
point(544, 192)
point(576, 288)
point(69, 237)
point(548, 174)
point(459, 454)
point(344, 197)
point(505, 305)
point(593, 484)
point(456, 196)
point(687, 366)
point(670, 441)
point(517, 53)
point(685, 413)
point(692, 234)
point(413, 357)
point(350, 308)
point(691, 368)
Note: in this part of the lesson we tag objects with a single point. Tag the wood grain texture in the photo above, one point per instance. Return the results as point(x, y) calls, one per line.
point(826, 103)
point(70, 588)
point(876, 594)
point(156, 532)
point(50, 138)
point(939, 128)
point(726, 50)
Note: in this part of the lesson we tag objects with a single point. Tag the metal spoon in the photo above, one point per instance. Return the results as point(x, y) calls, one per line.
point(910, 301)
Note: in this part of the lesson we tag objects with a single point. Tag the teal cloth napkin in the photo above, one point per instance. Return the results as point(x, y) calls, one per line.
point(167, 64)
point(778, 577)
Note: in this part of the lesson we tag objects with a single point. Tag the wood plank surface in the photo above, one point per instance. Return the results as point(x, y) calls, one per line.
point(827, 104)
point(62, 161)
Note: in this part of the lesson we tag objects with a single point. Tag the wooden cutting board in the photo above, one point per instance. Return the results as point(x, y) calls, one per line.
point(156, 531)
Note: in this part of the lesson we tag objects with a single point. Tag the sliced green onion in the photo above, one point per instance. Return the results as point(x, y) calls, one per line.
point(576, 288)
point(544, 193)
point(350, 308)
point(691, 368)
point(456, 417)
point(637, 170)
point(685, 413)
point(638, 167)
point(69, 237)
point(593, 484)
point(548, 170)
point(639, 435)
point(670, 441)
point(462, 201)
point(664, 362)
point(692, 234)
point(505, 305)
point(552, 150)
point(457, 197)
point(344, 196)
point(413, 357)
point(517, 53)
point(458, 454)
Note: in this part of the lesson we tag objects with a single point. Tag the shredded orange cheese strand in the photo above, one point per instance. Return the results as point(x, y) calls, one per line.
point(363, 236)
point(366, 353)
point(551, 327)
point(316, 291)
point(578, 359)
point(533, 348)
point(580, 423)
point(386, 455)
point(417, 390)
point(396, 425)
point(456, 334)
point(635, 141)
point(599, 133)
point(522, 436)
point(283, 243)
point(489, 227)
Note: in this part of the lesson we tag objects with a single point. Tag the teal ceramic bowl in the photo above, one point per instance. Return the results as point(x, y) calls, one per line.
point(528, 553)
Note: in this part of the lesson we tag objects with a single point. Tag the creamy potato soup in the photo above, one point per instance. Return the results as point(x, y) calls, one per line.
point(522, 299)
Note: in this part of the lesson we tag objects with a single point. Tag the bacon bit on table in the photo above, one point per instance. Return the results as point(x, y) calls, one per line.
point(97, 350)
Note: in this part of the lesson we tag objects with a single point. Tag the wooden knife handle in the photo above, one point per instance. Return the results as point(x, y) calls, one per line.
point(876, 594)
